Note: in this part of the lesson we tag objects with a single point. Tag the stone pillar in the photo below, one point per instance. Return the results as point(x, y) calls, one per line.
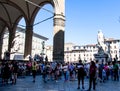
point(28, 41)
point(1, 43)
point(10, 42)
point(58, 41)
point(11, 38)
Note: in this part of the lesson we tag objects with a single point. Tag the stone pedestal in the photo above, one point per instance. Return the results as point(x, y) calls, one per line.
point(101, 57)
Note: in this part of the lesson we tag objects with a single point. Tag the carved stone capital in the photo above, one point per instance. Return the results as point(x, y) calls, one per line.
point(59, 21)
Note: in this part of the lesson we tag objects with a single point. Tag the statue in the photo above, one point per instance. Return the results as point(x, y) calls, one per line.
point(16, 44)
point(100, 40)
point(101, 56)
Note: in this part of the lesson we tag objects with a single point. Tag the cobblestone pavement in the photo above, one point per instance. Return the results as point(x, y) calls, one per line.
point(26, 84)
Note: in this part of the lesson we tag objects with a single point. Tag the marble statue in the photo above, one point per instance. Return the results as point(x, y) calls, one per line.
point(100, 40)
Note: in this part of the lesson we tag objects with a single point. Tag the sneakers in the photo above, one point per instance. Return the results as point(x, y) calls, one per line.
point(83, 87)
point(90, 90)
point(78, 88)
point(56, 81)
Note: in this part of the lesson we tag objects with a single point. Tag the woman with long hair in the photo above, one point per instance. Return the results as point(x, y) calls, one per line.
point(92, 75)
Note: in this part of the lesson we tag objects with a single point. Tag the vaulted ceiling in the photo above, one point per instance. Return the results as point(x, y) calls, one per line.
point(13, 10)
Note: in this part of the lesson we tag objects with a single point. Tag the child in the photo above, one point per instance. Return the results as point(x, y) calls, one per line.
point(104, 75)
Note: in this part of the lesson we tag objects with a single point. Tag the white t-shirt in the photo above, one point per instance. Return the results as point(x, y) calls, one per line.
point(65, 68)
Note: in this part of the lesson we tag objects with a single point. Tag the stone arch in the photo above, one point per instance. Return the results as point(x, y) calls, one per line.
point(23, 8)
point(59, 6)
point(59, 24)
point(2, 30)
point(12, 31)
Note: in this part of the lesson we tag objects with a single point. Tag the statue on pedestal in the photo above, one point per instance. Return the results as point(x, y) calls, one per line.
point(101, 55)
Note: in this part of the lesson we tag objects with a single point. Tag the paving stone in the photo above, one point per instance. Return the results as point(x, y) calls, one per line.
point(26, 84)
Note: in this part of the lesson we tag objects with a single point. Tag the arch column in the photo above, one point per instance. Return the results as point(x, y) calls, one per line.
point(1, 42)
point(28, 41)
point(11, 38)
point(58, 40)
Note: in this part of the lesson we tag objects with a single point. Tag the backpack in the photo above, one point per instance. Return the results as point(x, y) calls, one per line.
point(116, 67)
point(93, 71)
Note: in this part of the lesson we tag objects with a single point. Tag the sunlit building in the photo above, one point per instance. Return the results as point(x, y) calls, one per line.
point(86, 53)
point(73, 52)
point(17, 51)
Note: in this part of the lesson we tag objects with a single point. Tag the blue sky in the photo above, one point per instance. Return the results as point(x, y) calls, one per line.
point(84, 18)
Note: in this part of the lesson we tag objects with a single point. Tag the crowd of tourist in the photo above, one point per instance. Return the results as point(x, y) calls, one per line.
point(94, 71)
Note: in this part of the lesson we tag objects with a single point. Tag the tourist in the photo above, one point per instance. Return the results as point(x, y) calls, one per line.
point(34, 70)
point(15, 72)
point(65, 71)
point(6, 73)
point(80, 70)
point(92, 75)
point(115, 70)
